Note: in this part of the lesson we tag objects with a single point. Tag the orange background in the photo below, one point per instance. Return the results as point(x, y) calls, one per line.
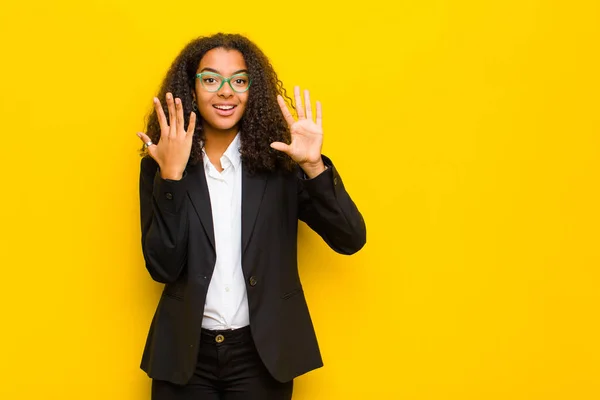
point(466, 132)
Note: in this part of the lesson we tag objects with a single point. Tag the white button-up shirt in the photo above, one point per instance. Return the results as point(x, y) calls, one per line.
point(227, 301)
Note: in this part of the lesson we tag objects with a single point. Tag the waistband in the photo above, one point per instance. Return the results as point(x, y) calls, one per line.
point(239, 335)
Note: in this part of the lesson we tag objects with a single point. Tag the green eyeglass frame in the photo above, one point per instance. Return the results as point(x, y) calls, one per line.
point(224, 80)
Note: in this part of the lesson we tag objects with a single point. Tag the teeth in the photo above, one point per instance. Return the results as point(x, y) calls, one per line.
point(224, 107)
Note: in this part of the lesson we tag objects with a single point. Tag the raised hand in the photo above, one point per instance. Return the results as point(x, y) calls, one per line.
point(175, 144)
point(307, 135)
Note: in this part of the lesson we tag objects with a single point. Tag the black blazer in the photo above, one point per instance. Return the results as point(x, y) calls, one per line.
point(179, 249)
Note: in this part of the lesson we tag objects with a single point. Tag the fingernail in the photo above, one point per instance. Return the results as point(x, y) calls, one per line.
point(177, 101)
point(155, 100)
point(139, 135)
point(169, 96)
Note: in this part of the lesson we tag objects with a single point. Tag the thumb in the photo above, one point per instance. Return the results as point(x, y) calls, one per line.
point(285, 148)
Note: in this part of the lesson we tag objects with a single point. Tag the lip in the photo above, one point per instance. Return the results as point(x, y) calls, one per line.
point(225, 113)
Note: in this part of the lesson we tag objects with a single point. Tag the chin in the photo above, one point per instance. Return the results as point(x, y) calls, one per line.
point(224, 126)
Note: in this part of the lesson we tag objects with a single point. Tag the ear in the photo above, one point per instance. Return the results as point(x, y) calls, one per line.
point(195, 102)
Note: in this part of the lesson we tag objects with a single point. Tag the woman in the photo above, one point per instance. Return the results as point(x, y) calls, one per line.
point(227, 174)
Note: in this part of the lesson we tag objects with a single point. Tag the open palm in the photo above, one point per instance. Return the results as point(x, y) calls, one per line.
point(306, 134)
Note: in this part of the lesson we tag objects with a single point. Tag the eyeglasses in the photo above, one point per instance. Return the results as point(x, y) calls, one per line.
point(213, 82)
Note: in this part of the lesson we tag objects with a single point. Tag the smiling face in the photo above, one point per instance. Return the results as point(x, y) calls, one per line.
point(222, 110)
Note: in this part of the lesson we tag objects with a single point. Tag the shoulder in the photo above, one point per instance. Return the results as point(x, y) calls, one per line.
point(148, 162)
point(148, 166)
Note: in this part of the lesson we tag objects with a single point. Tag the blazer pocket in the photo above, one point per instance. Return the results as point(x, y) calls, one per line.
point(292, 293)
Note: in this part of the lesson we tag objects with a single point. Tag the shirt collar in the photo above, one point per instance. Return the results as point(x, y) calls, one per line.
point(233, 152)
point(230, 157)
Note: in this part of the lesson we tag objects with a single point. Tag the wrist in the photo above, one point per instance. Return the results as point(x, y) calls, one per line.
point(173, 175)
point(312, 170)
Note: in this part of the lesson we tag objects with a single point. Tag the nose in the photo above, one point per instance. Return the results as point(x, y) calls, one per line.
point(225, 91)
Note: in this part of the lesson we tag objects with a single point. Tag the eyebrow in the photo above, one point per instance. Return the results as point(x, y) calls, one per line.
point(239, 71)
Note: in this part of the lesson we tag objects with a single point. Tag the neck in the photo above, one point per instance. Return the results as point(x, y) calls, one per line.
point(216, 142)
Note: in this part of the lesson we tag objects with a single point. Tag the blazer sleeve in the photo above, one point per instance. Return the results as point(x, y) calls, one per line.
point(327, 208)
point(163, 215)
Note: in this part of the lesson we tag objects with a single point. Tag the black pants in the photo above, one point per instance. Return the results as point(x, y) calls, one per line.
point(228, 368)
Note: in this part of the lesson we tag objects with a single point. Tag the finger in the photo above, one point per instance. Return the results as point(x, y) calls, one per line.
point(298, 100)
point(146, 139)
point(160, 114)
point(307, 105)
point(143, 137)
point(179, 111)
point(192, 124)
point(289, 118)
point(172, 115)
point(319, 114)
point(285, 148)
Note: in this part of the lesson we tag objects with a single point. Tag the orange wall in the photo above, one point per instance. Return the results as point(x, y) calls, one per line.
point(466, 131)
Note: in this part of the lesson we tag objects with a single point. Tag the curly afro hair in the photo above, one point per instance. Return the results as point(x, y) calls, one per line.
point(262, 122)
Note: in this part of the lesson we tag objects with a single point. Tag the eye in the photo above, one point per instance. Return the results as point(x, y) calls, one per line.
point(240, 81)
point(209, 80)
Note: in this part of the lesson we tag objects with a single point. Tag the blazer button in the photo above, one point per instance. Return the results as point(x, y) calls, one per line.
point(169, 196)
point(253, 281)
point(335, 181)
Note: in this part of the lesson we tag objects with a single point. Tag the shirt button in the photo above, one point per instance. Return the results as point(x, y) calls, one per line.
point(253, 281)
point(169, 196)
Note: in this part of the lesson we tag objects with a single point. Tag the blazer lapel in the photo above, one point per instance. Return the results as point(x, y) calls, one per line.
point(200, 198)
point(253, 190)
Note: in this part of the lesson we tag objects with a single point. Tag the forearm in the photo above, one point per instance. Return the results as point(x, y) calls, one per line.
point(164, 246)
point(328, 209)
point(163, 209)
